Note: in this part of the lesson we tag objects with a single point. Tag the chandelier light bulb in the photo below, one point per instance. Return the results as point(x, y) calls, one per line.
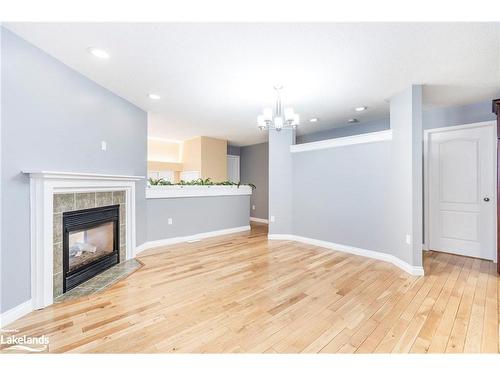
point(268, 114)
point(277, 118)
point(289, 114)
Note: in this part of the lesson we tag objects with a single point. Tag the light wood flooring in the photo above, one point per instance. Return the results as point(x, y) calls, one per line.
point(243, 293)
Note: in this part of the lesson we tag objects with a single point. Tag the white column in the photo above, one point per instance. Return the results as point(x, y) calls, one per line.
point(405, 195)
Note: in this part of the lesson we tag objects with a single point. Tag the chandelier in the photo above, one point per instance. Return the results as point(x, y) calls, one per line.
point(278, 119)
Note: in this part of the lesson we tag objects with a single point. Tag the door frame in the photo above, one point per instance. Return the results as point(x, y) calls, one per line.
point(239, 167)
point(427, 134)
point(495, 107)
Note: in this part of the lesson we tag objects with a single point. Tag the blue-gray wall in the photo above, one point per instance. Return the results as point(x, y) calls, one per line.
point(252, 157)
point(458, 115)
point(195, 215)
point(367, 195)
point(280, 181)
point(254, 169)
point(345, 131)
point(340, 195)
point(404, 206)
point(432, 118)
point(54, 118)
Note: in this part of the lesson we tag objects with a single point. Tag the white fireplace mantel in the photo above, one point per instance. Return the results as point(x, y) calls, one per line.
point(78, 175)
point(43, 185)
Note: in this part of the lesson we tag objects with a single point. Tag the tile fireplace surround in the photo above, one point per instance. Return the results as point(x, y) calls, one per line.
point(51, 194)
point(67, 202)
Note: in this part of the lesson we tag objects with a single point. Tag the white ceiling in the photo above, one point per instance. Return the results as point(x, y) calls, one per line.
point(214, 79)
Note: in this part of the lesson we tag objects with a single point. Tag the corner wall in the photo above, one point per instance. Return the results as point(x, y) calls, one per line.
point(280, 181)
point(254, 169)
point(340, 195)
point(405, 191)
point(54, 118)
point(364, 198)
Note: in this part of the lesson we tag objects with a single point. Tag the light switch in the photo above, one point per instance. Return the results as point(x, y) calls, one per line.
point(170, 221)
point(104, 146)
point(253, 206)
point(271, 219)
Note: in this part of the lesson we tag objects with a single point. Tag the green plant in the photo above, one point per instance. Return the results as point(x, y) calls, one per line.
point(197, 182)
point(158, 181)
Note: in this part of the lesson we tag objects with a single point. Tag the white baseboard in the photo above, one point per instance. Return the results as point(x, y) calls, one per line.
point(412, 270)
point(195, 237)
point(259, 220)
point(15, 313)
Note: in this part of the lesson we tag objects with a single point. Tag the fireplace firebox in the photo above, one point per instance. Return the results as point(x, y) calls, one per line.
point(91, 243)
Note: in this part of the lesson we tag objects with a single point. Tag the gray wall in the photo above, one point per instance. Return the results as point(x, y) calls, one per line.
point(340, 195)
point(233, 150)
point(369, 195)
point(195, 215)
point(53, 118)
point(280, 181)
point(254, 168)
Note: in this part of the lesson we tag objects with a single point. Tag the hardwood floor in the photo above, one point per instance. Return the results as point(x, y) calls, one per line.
point(243, 293)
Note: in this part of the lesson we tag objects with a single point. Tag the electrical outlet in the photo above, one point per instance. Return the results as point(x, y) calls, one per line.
point(408, 239)
point(271, 219)
point(253, 206)
point(170, 221)
point(104, 146)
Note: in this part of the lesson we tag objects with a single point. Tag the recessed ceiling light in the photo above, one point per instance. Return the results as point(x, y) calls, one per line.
point(352, 120)
point(99, 53)
point(314, 119)
point(154, 96)
point(360, 109)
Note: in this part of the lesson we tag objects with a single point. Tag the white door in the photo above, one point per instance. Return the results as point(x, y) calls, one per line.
point(461, 181)
point(233, 168)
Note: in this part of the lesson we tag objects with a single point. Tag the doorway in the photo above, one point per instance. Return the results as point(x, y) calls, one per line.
point(233, 168)
point(460, 185)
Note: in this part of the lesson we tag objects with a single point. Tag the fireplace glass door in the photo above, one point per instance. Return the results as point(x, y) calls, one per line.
point(88, 245)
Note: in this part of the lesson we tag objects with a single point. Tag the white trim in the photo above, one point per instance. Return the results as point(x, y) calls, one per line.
point(412, 270)
point(259, 220)
point(428, 132)
point(384, 135)
point(195, 237)
point(81, 176)
point(43, 185)
point(15, 313)
point(183, 191)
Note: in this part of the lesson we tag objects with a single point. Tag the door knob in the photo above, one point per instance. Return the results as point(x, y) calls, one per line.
point(486, 199)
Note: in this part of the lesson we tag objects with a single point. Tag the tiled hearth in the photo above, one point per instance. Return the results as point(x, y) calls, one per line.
point(66, 202)
point(102, 281)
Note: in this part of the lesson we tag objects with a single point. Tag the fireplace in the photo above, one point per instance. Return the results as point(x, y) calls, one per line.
point(91, 243)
